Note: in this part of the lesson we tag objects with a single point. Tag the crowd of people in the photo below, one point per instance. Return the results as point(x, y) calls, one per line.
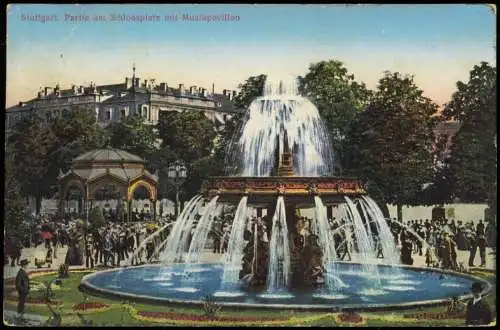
point(108, 245)
point(437, 240)
point(441, 239)
point(115, 242)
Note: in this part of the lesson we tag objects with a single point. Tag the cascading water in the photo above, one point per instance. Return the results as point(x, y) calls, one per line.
point(234, 254)
point(386, 238)
point(200, 235)
point(365, 250)
point(176, 245)
point(367, 224)
point(327, 243)
point(170, 254)
point(177, 228)
point(279, 262)
point(281, 108)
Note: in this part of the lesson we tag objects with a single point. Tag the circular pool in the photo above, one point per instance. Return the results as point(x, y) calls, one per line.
point(392, 287)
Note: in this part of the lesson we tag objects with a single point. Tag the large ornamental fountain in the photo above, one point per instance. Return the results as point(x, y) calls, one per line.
point(280, 167)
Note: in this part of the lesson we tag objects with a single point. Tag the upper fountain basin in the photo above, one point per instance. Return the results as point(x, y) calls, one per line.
point(297, 190)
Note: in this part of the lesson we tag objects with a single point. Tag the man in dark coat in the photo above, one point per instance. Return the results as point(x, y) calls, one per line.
point(481, 244)
point(473, 250)
point(480, 228)
point(22, 285)
point(478, 310)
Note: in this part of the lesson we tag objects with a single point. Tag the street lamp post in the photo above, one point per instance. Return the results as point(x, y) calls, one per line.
point(177, 173)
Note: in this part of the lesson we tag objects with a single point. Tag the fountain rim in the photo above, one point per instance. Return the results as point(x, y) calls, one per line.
point(85, 285)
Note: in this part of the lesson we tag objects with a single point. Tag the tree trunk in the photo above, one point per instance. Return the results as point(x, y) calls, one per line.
point(38, 204)
point(400, 212)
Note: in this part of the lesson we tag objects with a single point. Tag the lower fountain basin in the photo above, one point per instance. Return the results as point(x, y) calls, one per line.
point(399, 287)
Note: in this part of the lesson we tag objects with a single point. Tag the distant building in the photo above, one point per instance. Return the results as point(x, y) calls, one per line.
point(111, 103)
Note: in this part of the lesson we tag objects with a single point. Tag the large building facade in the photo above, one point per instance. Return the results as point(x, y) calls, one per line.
point(112, 103)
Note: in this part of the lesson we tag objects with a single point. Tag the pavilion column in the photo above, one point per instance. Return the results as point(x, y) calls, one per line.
point(153, 202)
point(129, 210)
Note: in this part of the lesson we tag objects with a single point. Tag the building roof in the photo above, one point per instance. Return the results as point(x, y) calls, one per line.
point(96, 163)
point(109, 155)
point(224, 103)
point(126, 174)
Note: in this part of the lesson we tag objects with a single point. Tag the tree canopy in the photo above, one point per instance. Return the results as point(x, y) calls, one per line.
point(391, 143)
point(132, 134)
point(338, 97)
point(30, 149)
point(471, 167)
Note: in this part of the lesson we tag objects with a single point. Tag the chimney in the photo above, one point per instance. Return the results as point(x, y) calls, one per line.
point(81, 90)
point(235, 93)
point(181, 89)
point(57, 91)
point(213, 89)
point(48, 91)
point(136, 82)
point(193, 90)
point(163, 87)
point(224, 92)
point(21, 104)
point(128, 83)
point(204, 92)
point(74, 89)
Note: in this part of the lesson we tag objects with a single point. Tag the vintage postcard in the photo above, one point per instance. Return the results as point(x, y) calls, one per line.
point(250, 165)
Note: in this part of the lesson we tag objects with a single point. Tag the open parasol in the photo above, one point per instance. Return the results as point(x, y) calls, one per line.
point(46, 235)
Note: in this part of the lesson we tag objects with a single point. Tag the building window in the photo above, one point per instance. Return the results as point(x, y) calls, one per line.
point(123, 113)
point(108, 115)
point(144, 113)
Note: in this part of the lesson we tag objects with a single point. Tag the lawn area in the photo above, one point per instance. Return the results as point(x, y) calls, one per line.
point(106, 312)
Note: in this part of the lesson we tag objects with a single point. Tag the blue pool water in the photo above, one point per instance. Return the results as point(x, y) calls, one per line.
point(192, 283)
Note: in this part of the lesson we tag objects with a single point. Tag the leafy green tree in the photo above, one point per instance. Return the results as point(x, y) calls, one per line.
point(338, 97)
point(252, 87)
point(161, 160)
point(391, 143)
point(199, 170)
point(471, 167)
point(135, 136)
point(76, 132)
point(29, 148)
point(189, 134)
point(15, 207)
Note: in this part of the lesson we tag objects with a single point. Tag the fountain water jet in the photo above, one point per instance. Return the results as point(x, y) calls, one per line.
point(279, 261)
point(234, 253)
point(200, 235)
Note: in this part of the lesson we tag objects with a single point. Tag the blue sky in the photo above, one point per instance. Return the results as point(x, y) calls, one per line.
point(439, 44)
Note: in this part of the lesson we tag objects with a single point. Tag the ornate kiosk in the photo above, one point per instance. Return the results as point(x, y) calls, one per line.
point(106, 174)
